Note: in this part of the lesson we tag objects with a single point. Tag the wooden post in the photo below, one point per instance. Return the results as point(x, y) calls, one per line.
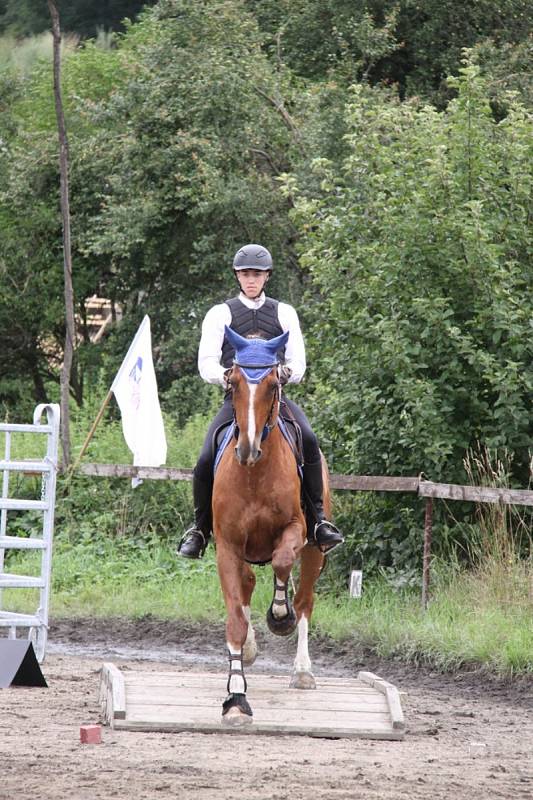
point(68, 353)
point(428, 530)
point(93, 428)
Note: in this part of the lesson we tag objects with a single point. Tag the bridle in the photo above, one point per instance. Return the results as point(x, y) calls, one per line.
point(269, 425)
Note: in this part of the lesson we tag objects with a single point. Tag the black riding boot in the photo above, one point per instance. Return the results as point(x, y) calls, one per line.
point(196, 538)
point(320, 532)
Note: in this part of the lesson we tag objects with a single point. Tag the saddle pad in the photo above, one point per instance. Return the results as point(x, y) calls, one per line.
point(221, 441)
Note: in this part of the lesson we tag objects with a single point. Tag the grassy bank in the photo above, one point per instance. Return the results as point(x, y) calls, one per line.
point(480, 618)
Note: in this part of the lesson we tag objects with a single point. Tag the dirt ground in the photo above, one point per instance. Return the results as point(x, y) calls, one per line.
point(468, 734)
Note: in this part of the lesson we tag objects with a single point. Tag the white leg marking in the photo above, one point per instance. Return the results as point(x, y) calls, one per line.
point(302, 662)
point(236, 682)
point(279, 611)
point(249, 650)
point(251, 414)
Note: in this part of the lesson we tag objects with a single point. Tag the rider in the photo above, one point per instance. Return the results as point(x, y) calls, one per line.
point(251, 313)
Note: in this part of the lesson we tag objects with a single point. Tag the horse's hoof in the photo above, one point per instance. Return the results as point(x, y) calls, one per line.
point(236, 719)
point(302, 680)
point(249, 653)
point(283, 626)
point(236, 710)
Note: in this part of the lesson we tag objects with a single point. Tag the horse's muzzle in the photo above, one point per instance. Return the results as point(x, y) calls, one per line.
point(246, 455)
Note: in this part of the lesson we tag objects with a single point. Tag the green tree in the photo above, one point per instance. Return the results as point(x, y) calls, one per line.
point(410, 44)
point(419, 246)
point(31, 303)
point(191, 145)
point(176, 138)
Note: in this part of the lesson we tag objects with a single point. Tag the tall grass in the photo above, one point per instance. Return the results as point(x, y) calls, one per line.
point(21, 55)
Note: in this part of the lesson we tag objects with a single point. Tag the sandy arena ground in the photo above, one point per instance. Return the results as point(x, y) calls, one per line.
point(468, 735)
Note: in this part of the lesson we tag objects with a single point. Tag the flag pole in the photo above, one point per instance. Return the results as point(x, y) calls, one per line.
point(91, 432)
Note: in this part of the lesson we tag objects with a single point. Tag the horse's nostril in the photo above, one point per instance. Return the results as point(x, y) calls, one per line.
point(241, 454)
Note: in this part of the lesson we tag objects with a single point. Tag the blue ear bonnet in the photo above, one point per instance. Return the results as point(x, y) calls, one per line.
point(255, 357)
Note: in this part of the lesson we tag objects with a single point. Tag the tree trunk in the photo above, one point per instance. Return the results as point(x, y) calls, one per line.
point(67, 254)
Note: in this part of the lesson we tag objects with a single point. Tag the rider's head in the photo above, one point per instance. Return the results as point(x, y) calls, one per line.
point(252, 266)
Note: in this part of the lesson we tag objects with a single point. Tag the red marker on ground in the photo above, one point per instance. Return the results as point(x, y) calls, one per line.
point(91, 734)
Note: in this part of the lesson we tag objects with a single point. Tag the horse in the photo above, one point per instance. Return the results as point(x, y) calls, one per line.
point(258, 518)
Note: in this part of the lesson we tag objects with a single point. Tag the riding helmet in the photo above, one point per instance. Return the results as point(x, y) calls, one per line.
point(252, 256)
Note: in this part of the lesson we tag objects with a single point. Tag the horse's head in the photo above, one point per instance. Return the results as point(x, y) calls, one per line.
point(255, 388)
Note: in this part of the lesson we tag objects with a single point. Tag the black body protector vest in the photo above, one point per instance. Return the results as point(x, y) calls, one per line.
point(260, 323)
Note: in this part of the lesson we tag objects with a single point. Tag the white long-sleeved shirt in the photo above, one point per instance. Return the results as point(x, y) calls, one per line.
point(210, 350)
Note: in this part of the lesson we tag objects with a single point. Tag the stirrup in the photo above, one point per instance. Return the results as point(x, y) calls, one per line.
point(198, 543)
point(331, 534)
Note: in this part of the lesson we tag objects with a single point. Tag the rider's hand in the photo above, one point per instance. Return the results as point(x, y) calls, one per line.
point(284, 375)
point(226, 378)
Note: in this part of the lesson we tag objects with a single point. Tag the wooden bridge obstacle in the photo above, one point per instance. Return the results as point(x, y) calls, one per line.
point(364, 708)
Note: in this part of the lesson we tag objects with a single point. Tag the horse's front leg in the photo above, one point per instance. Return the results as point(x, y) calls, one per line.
point(248, 586)
point(235, 709)
point(281, 618)
point(311, 565)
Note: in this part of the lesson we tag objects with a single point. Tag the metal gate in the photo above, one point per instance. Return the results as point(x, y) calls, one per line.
point(40, 539)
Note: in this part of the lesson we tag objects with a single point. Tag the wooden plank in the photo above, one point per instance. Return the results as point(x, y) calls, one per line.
point(264, 729)
point(476, 494)
point(301, 701)
point(191, 678)
point(278, 716)
point(395, 708)
point(128, 471)
point(353, 483)
point(114, 680)
point(374, 483)
point(220, 680)
point(337, 695)
point(392, 695)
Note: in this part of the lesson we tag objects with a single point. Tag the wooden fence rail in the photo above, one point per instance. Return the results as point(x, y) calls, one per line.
point(350, 483)
point(355, 483)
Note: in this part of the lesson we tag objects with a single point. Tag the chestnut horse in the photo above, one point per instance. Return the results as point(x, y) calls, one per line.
point(258, 518)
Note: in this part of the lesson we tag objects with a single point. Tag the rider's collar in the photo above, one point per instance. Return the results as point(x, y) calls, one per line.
point(253, 304)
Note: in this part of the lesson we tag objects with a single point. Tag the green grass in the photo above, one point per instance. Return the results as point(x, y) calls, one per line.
point(464, 625)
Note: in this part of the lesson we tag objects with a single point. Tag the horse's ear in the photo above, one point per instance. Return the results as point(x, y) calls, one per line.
point(236, 341)
point(273, 345)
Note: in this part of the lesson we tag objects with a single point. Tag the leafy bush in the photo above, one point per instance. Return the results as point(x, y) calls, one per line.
point(418, 246)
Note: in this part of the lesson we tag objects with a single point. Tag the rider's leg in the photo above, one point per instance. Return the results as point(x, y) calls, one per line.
point(196, 537)
point(320, 531)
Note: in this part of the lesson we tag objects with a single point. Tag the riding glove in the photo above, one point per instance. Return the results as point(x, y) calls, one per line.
point(284, 375)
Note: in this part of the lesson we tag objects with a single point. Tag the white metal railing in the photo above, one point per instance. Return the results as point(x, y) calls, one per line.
point(36, 623)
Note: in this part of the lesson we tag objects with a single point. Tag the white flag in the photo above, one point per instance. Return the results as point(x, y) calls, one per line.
point(135, 389)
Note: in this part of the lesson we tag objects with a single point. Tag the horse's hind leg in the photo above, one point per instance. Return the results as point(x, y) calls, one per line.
point(235, 709)
point(249, 652)
point(311, 566)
